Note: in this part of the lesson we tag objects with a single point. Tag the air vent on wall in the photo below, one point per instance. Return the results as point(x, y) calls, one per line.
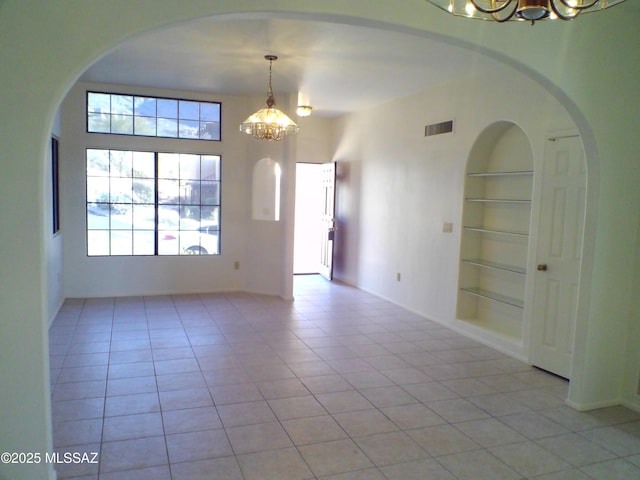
point(438, 128)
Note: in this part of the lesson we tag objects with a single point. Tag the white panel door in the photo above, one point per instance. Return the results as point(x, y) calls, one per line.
point(558, 255)
point(327, 229)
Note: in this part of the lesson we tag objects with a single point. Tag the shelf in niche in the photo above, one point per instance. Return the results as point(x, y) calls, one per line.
point(495, 265)
point(499, 200)
point(496, 297)
point(497, 232)
point(513, 341)
point(500, 174)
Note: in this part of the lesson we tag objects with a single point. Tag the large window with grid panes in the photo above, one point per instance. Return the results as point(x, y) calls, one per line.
point(147, 116)
point(141, 202)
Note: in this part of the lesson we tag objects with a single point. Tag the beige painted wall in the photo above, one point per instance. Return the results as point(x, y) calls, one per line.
point(408, 186)
point(591, 65)
point(112, 276)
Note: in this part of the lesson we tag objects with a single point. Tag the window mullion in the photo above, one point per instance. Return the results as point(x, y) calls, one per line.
point(155, 205)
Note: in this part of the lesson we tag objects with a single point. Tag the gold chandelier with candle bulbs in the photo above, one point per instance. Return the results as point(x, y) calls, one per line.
point(269, 123)
point(522, 10)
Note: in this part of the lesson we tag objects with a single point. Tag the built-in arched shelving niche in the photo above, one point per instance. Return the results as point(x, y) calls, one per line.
point(495, 233)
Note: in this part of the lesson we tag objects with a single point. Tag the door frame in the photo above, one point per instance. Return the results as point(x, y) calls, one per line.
point(315, 251)
point(328, 220)
point(585, 262)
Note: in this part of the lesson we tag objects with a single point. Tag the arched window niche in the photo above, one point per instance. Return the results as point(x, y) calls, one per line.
point(266, 190)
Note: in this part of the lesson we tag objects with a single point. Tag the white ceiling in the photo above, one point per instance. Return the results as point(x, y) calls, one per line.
point(338, 68)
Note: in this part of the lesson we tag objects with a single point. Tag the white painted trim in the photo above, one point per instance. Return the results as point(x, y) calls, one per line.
point(635, 406)
point(489, 339)
point(55, 312)
point(584, 407)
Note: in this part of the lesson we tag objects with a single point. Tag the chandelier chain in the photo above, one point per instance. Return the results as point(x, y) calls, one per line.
point(271, 101)
point(269, 123)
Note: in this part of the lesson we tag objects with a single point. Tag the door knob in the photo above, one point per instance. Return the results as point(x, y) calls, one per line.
point(542, 267)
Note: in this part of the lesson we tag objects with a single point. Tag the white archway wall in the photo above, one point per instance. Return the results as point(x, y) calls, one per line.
point(48, 44)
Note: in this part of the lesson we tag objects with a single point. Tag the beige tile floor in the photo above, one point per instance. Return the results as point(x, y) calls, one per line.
point(338, 384)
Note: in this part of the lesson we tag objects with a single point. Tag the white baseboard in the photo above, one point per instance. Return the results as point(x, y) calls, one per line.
point(54, 314)
point(489, 339)
point(635, 406)
point(585, 407)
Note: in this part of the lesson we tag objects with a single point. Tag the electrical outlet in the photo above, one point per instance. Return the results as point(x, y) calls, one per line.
point(398, 276)
point(236, 265)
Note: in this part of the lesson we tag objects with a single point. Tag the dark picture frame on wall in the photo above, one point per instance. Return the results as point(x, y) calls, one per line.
point(55, 183)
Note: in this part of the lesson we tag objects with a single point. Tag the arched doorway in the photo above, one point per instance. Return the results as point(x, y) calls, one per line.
point(42, 96)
